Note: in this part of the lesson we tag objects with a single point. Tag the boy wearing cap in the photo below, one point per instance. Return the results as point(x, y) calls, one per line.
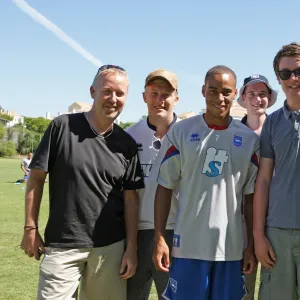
point(276, 224)
point(213, 159)
point(256, 95)
point(160, 95)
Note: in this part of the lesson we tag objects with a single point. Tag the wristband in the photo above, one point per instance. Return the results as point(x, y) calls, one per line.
point(30, 227)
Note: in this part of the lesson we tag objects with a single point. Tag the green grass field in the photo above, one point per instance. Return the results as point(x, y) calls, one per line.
point(18, 273)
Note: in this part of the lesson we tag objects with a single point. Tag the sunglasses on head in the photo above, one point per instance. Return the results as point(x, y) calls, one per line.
point(156, 145)
point(286, 74)
point(107, 67)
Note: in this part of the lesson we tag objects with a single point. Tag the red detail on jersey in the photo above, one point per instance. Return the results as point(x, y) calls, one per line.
point(171, 149)
point(216, 127)
point(171, 152)
point(254, 159)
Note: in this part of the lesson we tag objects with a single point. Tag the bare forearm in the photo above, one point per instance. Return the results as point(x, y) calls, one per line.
point(260, 206)
point(248, 213)
point(33, 197)
point(162, 206)
point(131, 218)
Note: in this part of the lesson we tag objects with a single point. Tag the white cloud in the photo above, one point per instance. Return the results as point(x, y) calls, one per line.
point(39, 18)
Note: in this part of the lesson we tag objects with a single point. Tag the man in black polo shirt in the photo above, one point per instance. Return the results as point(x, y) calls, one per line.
point(256, 95)
point(90, 160)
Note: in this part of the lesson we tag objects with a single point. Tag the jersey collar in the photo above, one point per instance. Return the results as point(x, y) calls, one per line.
point(151, 126)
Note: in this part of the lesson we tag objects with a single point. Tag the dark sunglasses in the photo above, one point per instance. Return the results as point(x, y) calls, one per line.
point(286, 74)
point(107, 67)
point(156, 145)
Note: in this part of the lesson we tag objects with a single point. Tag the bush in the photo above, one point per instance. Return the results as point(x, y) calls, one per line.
point(7, 148)
point(2, 131)
point(6, 117)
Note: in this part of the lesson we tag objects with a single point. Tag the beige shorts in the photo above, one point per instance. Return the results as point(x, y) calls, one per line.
point(96, 269)
point(283, 281)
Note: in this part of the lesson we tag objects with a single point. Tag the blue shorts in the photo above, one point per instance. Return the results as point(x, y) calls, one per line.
point(195, 279)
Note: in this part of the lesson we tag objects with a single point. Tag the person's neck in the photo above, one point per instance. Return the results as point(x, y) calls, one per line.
point(255, 122)
point(100, 124)
point(211, 120)
point(162, 124)
point(293, 104)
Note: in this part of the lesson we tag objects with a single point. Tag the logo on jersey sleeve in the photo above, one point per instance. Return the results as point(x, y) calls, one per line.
point(214, 162)
point(171, 152)
point(237, 141)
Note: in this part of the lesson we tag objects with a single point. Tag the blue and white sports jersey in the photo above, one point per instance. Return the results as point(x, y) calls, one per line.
point(214, 169)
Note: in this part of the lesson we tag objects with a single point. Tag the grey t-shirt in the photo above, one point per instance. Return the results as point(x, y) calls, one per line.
point(280, 142)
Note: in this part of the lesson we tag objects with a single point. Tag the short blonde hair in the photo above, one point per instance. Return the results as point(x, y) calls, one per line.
point(106, 69)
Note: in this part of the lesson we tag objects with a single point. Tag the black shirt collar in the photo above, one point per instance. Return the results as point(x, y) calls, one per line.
point(151, 126)
point(244, 119)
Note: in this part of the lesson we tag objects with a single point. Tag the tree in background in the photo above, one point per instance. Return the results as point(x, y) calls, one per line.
point(2, 131)
point(7, 148)
point(28, 141)
point(6, 117)
point(38, 125)
point(126, 125)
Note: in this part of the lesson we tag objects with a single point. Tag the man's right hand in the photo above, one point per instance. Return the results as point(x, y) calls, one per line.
point(160, 255)
point(32, 242)
point(264, 252)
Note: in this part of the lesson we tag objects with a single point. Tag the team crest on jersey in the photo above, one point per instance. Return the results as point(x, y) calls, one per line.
point(173, 285)
point(214, 162)
point(176, 240)
point(195, 137)
point(237, 141)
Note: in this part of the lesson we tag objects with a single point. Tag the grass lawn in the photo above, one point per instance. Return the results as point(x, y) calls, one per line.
point(18, 273)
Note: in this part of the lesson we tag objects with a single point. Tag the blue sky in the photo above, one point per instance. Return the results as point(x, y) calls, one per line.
point(40, 73)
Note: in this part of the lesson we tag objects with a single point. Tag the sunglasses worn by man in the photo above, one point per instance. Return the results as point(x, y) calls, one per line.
point(286, 74)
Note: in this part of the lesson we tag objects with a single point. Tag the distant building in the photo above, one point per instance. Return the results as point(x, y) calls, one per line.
point(17, 119)
point(48, 116)
point(79, 107)
point(236, 111)
point(186, 115)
